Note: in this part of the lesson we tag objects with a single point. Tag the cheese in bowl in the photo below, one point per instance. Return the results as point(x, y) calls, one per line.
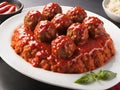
point(114, 6)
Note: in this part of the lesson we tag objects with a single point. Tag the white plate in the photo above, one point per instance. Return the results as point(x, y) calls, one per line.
point(63, 80)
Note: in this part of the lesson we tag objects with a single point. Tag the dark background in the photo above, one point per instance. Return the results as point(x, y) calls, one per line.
point(11, 79)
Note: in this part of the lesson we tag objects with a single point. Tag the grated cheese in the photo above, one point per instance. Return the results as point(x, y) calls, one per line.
point(114, 6)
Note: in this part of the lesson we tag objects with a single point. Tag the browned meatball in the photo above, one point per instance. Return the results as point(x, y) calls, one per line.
point(62, 22)
point(45, 31)
point(32, 18)
point(78, 33)
point(95, 26)
point(63, 47)
point(50, 10)
point(77, 14)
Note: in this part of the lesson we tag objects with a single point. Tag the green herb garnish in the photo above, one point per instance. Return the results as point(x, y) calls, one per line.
point(106, 75)
point(86, 79)
point(92, 77)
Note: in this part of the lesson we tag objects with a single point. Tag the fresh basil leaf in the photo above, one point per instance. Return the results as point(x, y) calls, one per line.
point(92, 77)
point(106, 75)
point(86, 79)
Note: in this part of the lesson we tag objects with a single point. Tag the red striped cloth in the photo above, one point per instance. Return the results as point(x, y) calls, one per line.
point(116, 87)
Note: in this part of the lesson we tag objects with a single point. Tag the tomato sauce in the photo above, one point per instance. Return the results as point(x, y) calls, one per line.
point(42, 51)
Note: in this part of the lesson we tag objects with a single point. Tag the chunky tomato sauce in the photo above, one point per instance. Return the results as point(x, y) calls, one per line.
point(26, 37)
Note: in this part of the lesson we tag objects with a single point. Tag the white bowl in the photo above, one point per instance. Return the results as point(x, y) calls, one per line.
point(113, 16)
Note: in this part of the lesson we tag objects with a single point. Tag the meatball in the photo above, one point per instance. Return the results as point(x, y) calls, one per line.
point(94, 25)
point(78, 33)
point(45, 31)
point(32, 18)
point(77, 14)
point(63, 47)
point(62, 22)
point(50, 10)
